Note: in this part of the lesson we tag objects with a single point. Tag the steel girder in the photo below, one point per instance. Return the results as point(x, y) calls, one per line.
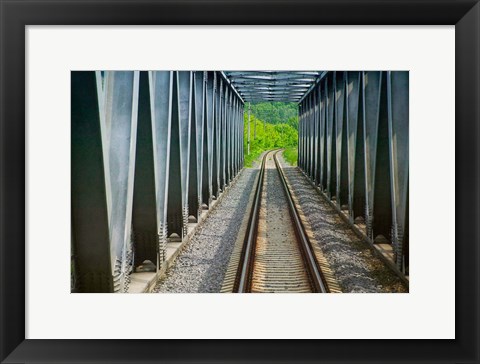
point(209, 130)
point(104, 134)
point(356, 152)
point(177, 213)
point(313, 134)
point(316, 127)
point(144, 215)
point(228, 168)
point(216, 141)
point(146, 146)
point(353, 143)
point(120, 115)
point(223, 136)
point(303, 118)
point(341, 192)
point(330, 127)
point(90, 220)
point(241, 128)
point(303, 132)
point(377, 169)
point(196, 146)
point(307, 136)
point(286, 86)
point(398, 132)
point(233, 136)
point(321, 135)
point(161, 96)
point(239, 132)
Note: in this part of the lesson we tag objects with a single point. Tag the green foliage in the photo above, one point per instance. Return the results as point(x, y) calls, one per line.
point(268, 136)
point(276, 112)
point(291, 155)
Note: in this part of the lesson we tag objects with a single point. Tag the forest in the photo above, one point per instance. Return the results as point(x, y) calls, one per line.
point(272, 125)
point(276, 112)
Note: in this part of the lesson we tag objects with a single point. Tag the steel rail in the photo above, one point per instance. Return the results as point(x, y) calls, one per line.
point(314, 271)
point(246, 263)
point(245, 269)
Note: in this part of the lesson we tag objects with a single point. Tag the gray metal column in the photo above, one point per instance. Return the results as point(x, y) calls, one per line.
point(307, 136)
point(240, 135)
point(216, 140)
point(205, 162)
point(398, 128)
point(242, 112)
point(355, 141)
point(208, 139)
point(331, 142)
point(324, 133)
point(223, 136)
point(228, 136)
point(248, 130)
point(304, 136)
point(312, 136)
point(376, 155)
point(210, 110)
point(341, 142)
point(237, 131)
point(196, 147)
point(120, 112)
point(234, 136)
point(144, 214)
point(90, 225)
point(179, 154)
point(371, 105)
point(321, 136)
point(185, 88)
point(300, 137)
point(237, 135)
point(315, 135)
point(161, 103)
point(382, 202)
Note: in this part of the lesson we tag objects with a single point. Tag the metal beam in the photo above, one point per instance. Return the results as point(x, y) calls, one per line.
point(398, 128)
point(144, 216)
point(121, 113)
point(90, 221)
point(161, 96)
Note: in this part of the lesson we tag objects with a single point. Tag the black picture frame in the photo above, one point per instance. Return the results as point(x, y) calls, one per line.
point(15, 15)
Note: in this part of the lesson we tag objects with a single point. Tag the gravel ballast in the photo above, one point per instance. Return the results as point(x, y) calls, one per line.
point(352, 261)
point(202, 264)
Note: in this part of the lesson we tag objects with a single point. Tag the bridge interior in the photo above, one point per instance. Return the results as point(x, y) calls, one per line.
point(151, 150)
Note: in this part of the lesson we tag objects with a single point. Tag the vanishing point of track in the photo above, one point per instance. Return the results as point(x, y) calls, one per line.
point(277, 255)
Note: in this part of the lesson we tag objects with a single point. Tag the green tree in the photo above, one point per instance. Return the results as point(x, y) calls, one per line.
point(276, 112)
point(270, 135)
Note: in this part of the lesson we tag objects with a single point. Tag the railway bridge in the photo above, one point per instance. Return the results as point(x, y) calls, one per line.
point(153, 151)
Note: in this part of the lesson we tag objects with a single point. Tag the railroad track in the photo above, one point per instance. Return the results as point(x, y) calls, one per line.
point(276, 255)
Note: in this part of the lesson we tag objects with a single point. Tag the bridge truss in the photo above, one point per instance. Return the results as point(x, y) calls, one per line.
point(149, 149)
point(152, 149)
point(353, 145)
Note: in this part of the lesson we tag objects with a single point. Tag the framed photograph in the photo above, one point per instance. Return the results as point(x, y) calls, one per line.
point(191, 150)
